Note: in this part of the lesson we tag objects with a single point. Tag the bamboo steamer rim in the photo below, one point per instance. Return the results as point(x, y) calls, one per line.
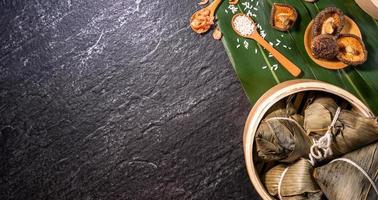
point(369, 6)
point(271, 97)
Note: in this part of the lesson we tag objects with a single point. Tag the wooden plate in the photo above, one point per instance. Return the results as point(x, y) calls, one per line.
point(349, 27)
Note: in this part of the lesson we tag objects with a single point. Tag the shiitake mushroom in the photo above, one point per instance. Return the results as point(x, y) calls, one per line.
point(330, 21)
point(324, 47)
point(352, 49)
point(283, 16)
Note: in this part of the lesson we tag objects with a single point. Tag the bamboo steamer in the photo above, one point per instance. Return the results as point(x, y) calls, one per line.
point(369, 6)
point(271, 97)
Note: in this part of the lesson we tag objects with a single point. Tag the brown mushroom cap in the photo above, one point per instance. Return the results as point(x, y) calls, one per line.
point(283, 11)
point(324, 47)
point(334, 19)
point(352, 49)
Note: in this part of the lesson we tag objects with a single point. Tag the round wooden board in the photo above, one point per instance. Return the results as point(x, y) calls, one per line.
point(350, 27)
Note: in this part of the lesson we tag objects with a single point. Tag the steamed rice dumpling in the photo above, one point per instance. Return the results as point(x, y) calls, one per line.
point(297, 181)
point(350, 132)
point(280, 136)
point(353, 132)
point(342, 181)
point(319, 114)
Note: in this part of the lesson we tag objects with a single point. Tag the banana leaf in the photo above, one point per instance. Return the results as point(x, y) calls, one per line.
point(258, 71)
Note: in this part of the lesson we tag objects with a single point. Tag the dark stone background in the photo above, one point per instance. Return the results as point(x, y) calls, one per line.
point(116, 99)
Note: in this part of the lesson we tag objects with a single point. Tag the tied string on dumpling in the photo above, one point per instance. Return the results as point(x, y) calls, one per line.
point(280, 183)
point(293, 181)
point(360, 169)
point(321, 149)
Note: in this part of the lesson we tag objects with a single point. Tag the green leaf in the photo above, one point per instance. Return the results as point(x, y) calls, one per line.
point(258, 72)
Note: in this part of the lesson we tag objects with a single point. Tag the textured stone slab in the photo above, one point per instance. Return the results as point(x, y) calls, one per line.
point(116, 100)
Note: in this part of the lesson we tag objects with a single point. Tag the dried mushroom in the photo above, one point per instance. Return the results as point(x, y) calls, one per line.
point(352, 49)
point(283, 16)
point(328, 21)
point(325, 47)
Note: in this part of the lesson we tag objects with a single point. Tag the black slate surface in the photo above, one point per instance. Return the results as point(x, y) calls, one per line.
point(116, 100)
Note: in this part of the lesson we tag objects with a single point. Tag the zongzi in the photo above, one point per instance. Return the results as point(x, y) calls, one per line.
point(292, 182)
point(353, 132)
point(343, 181)
point(280, 136)
point(349, 132)
point(319, 114)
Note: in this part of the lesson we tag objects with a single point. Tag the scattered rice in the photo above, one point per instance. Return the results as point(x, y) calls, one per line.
point(278, 42)
point(263, 33)
point(233, 9)
point(246, 44)
point(247, 5)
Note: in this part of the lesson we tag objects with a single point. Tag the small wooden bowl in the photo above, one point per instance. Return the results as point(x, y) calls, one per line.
point(349, 27)
point(271, 97)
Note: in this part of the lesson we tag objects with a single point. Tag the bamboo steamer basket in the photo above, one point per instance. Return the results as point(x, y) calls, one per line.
point(369, 6)
point(271, 97)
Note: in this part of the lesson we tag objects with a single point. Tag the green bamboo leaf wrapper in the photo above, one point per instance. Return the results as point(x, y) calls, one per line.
point(297, 182)
point(342, 181)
